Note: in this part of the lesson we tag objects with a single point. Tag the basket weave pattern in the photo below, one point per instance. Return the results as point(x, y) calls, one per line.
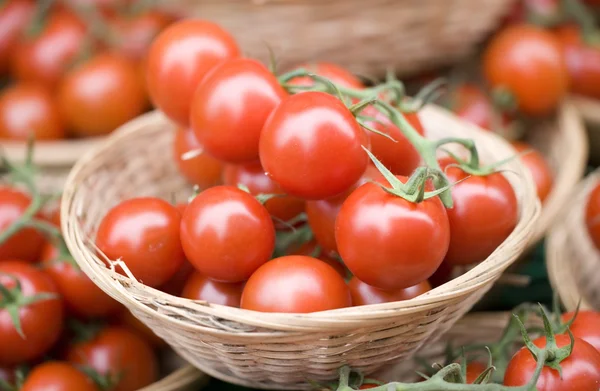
point(268, 350)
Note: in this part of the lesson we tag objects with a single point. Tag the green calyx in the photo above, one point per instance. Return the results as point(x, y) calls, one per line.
point(473, 166)
point(294, 238)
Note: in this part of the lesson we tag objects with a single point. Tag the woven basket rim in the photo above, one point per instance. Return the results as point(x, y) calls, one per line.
point(177, 380)
point(56, 153)
point(588, 107)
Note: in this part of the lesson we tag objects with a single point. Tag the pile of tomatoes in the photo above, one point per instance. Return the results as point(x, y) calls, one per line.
point(73, 68)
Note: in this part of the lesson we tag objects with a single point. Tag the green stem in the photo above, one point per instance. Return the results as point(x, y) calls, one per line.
point(33, 208)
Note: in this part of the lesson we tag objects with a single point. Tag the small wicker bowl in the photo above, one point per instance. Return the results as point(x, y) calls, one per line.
point(272, 350)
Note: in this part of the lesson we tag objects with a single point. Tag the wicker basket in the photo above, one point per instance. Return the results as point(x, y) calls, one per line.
point(366, 37)
point(590, 111)
point(187, 378)
point(270, 350)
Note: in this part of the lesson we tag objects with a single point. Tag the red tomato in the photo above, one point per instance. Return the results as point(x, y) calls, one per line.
point(333, 72)
point(474, 369)
point(472, 104)
point(309, 249)
point(116, 351)
point(178, 60)
point(29, 109)
point(295, 284)
point(585, 326)
point(583, 62)
point(41, 321)
point(253, 176)
point(529, 10)
point(484, 214)
point(580, 371)
point(101, 95)
point(129, 321)
point(538, 167)
point(528, 62)
point(411, 239)
point(198, 287)
point(175, 285)
point(592, 215)
point(227, 234)
point(309, 130)
point(144, 233)
point(25, 244)
point(229, 129)
point(202, 169)
point(363, 294)
point(14, 17)
point(47, 57)
point(57, 376)
point(80, 294)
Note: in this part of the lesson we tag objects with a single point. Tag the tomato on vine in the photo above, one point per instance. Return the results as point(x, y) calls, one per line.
point(60, 376)
point(333, 72)
point(471, 103)
point(585, 326)
point(198, 167)
point(364, 294)
point(474, 369)
point(538, 167)
point(198, 287)
point(592, 215)
point(14, 18)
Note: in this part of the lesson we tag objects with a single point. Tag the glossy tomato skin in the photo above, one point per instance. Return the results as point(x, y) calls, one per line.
point(474, 369)
point(528, 61)
point(202, 170)
point(472, 104)
point(25, 244)
point(229, 129)
point(583, 62)
point(81, 296)
point(14, 17)
point(385, 240)
point(331, 71)
point(29, 110)
point(484, 214)
point(118, 351)
point(538, 167)
point(295, 284)
point(144, 233)
point(57, 376)
point(580, 371)
point(585, 326)
point(364, 294)
point(252, 175)
point(101, 95)
point(179, 58)
point(41, 322)
point(198, 287)
point(212, 244)
point(309, 130)
point(592, 215)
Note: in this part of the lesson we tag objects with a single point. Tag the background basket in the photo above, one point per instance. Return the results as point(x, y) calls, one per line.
point(365, 37)
point(186, 378)
point(268, 350)
point(590, 111)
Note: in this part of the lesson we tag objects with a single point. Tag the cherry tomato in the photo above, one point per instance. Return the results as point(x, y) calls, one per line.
point(229, 129)
point(101, 95)
point(144, 233)
point(592, 215)
point(333, 72)
point(528, 62)
point(473, 105)
point(14, 17)
point(295, 284)
point(198, 287)
point(310, 249)
point(47, 57)
point(41, 321)
point(538, 167)
point(386, 241)
point(583, 62)
point(252, 175)
point(227, 234)
point(178, 60)
point(201, 169)
point(474, 369)
point(116, 351)
point(363, 294)
point(580, 371)
point(175, 285)
point(484, 214)
point(534, 10)
point(129, 321)
point(25, 244)
point(585, 326)
point(321, 142)
point(57, 376)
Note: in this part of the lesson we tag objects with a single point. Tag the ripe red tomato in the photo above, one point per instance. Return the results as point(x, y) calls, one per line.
point(41, 321)
point(116, 351)
point(25, 244)
point(585, 326)
point(528, 61)
point(592, 215)
point(252, 175)
point(363, 294)
point(583, 62)
point(198, 287)
point(474, 369)
point(580, 371)
point(309, 249)
point(58, 376)
point(144, 233)
point(229, 129)
point(309, 130)
point(402, 233)
point(14, 17)
point(178, 60)
point(295, 284)
point(202, 169)
point(333, 72)
point(485, 212)
point(126, 319)
point(472, 104)
point(538, 167)
point(101, 95)
point(227, 234)
point(47, 57)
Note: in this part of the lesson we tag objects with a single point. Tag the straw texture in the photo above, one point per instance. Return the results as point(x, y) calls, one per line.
point(183, 379)
point(270, 350)
point(366, 37)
